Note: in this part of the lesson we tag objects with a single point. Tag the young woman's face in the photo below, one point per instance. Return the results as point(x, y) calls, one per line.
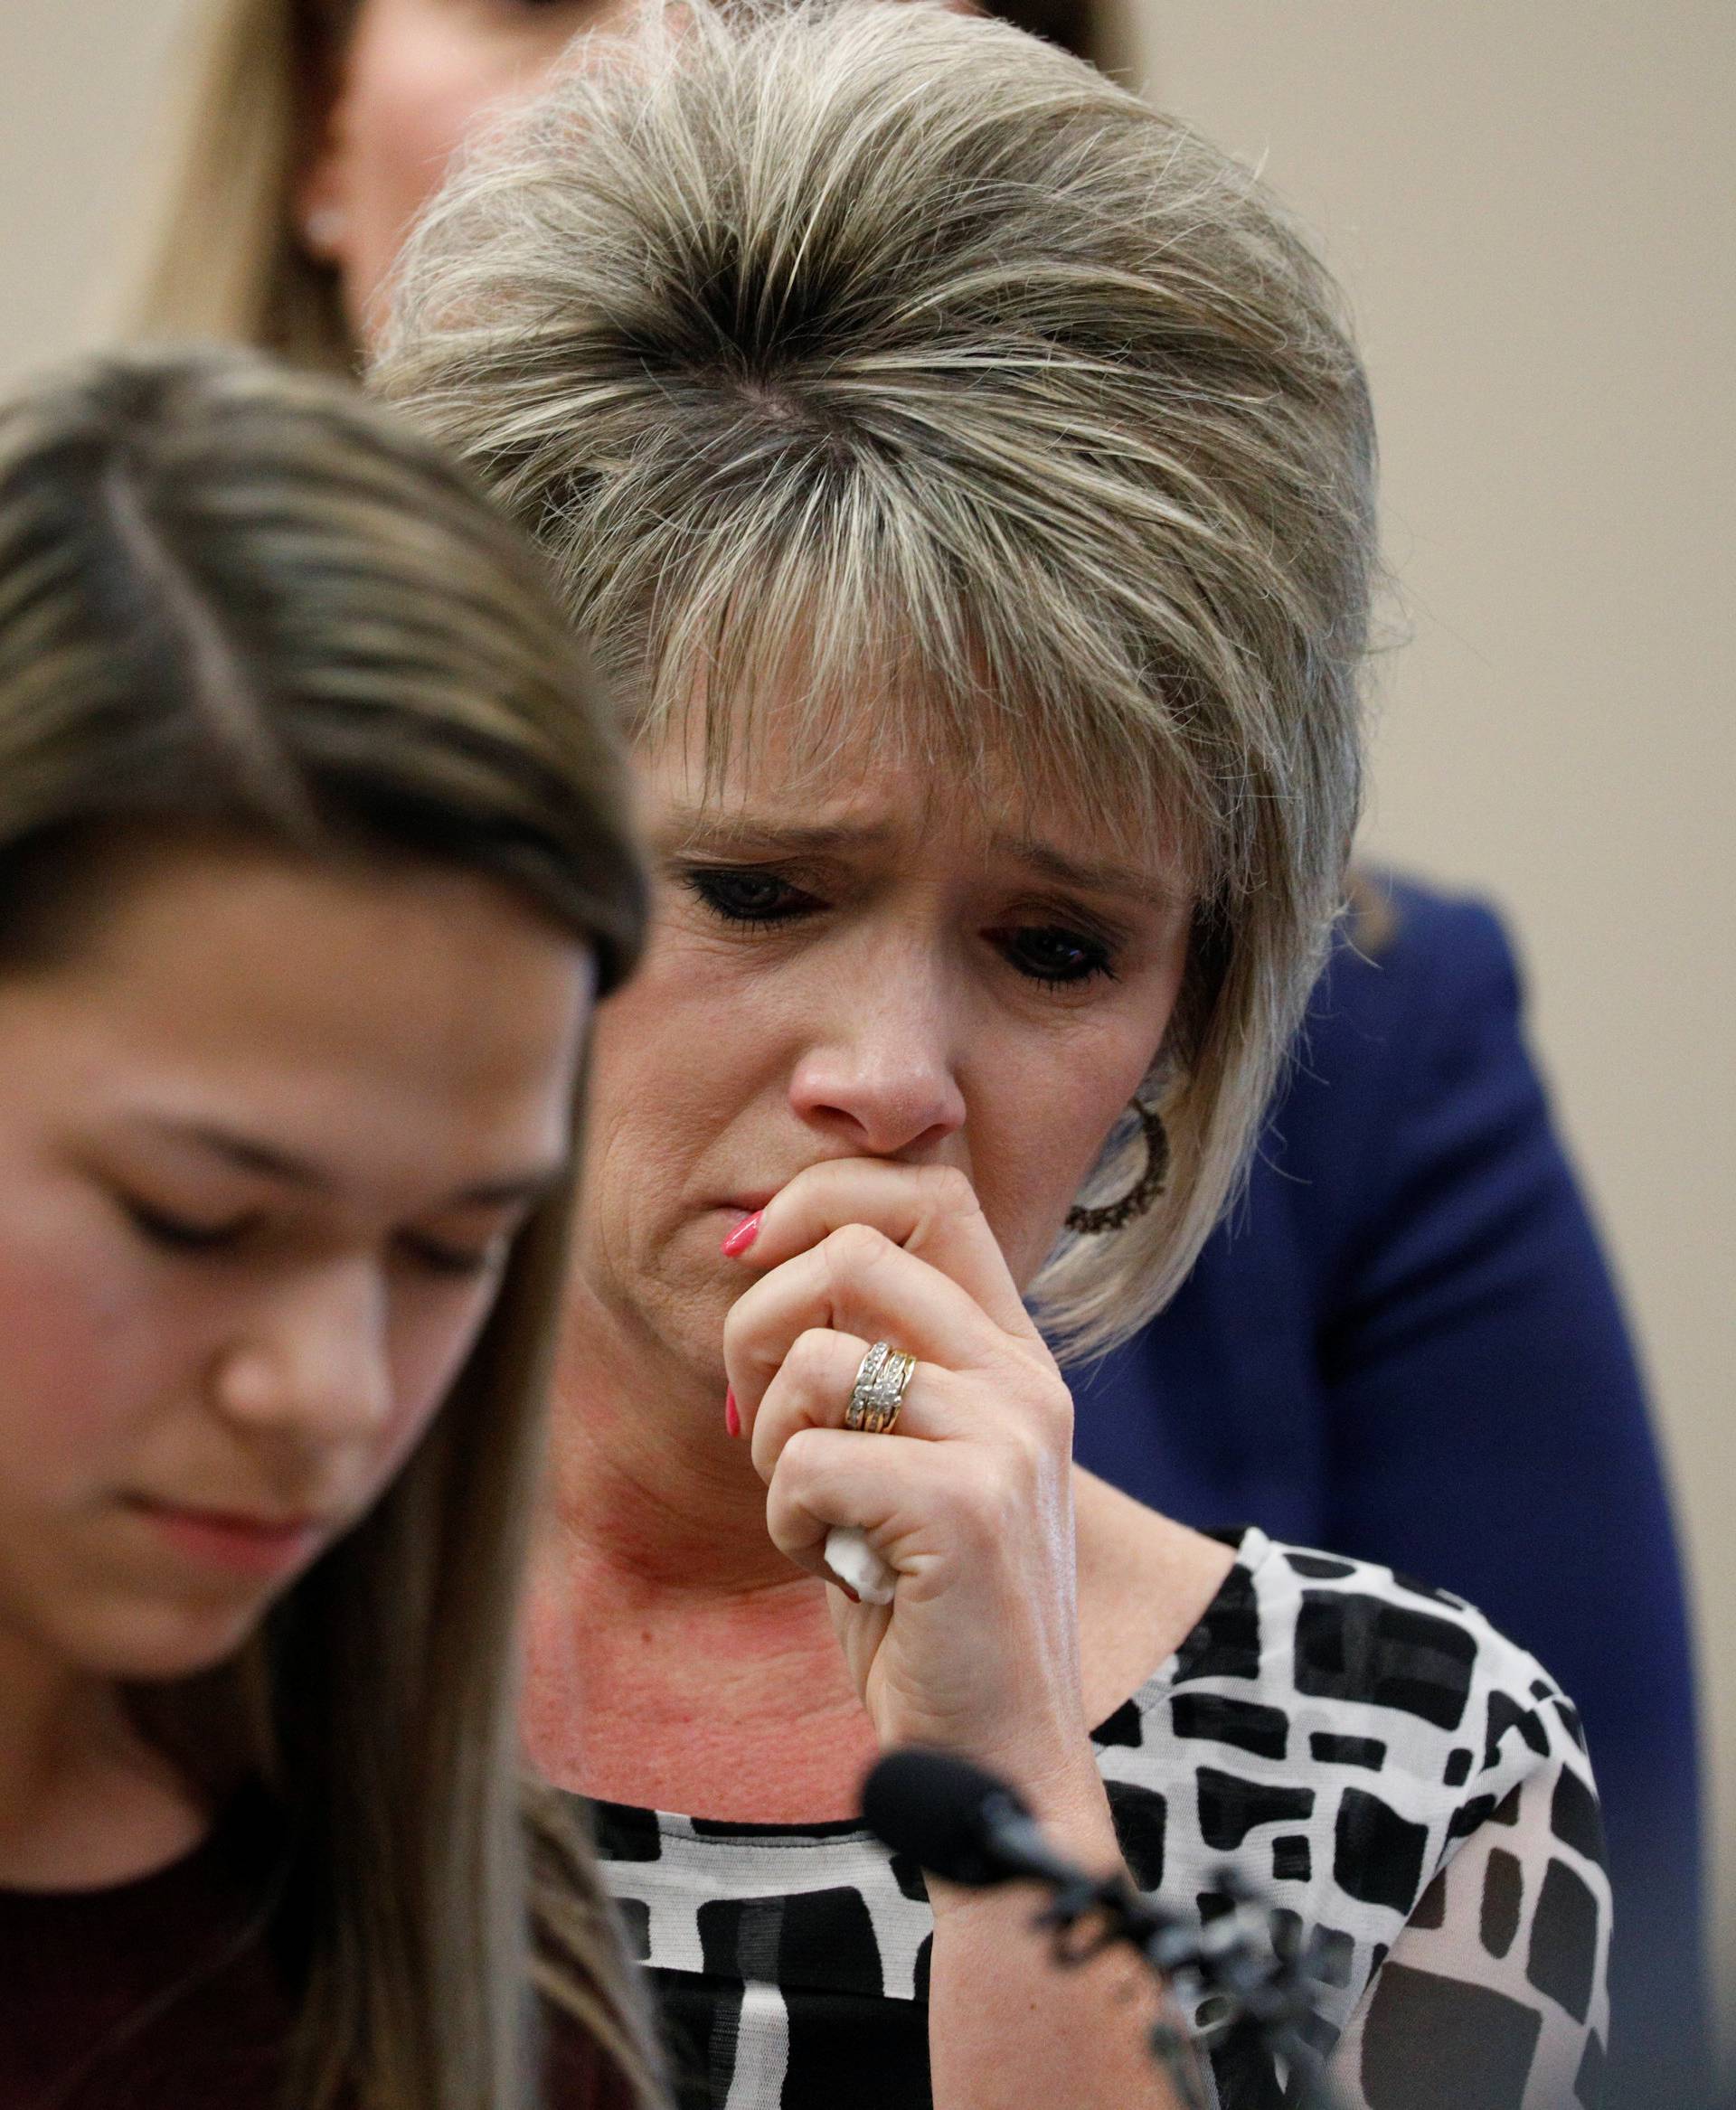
point(267, 1133)
point(414, 80)
point(884, 969)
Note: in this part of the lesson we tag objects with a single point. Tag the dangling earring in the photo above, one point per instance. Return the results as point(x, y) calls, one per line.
point(323, 232)
point(1145, 1189)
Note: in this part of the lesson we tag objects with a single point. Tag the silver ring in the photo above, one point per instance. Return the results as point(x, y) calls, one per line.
point(878, 1393)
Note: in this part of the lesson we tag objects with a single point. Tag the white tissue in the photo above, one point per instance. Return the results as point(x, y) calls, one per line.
point(853, 1560)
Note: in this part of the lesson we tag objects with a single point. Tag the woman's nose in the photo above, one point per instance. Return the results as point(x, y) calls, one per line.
point(880, 1075)
point(314, 1368)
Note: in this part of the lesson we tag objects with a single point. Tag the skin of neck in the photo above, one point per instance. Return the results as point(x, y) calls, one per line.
point(651, 1496)
point(83, 1799)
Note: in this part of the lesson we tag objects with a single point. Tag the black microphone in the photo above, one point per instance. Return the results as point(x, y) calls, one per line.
point(957, 1822)
point(962, 1825)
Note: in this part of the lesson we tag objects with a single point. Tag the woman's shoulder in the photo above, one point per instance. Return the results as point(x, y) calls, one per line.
point(1312, 1659)
point(1333, 1731)
point(1328, 1739)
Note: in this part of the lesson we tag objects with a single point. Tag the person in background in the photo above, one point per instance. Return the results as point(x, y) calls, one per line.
point(312, 863)
point(1439, 1376)
point(965, 479)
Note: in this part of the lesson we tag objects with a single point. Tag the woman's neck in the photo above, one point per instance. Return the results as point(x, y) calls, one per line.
point(672, 1651)
point(84, 1801)
point(648, 1487)
point(713, 1698)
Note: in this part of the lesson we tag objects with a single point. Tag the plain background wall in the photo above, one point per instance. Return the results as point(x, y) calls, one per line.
point(1533, 205)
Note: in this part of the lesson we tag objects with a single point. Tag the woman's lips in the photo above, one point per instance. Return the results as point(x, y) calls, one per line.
point(233, 1540)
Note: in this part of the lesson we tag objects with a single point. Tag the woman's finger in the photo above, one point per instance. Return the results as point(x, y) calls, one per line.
point(812, 1389)
point(856, 1281)
point(926, 1509)
point(929, 1210)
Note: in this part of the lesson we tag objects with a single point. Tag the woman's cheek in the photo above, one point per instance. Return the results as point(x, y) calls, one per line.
point(81, 1366)
point(429, 1349)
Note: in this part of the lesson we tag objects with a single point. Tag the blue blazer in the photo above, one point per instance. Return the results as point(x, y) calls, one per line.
point(1406, 1345)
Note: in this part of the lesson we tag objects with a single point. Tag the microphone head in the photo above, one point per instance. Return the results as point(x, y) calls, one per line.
point(944, 1812)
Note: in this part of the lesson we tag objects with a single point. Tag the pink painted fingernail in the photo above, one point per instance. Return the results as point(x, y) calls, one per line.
point(731, 1413)
point(744, 1233)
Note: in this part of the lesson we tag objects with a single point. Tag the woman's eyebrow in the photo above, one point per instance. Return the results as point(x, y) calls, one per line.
point(243, 1152)
point(704, 828)
point(1090, 875)
point(701, 827)
point(247, 1155)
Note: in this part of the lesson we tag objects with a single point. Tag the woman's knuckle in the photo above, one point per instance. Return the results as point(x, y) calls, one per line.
point(809, 1360)
point(737, 1324)
point(950, 1191)
point(853, 1248)
point(1052, 1413)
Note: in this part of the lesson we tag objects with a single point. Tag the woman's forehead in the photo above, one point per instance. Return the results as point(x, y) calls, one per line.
point(773, 796)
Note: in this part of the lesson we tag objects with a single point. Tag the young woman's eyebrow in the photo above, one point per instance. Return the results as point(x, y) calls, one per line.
point(246, 1153)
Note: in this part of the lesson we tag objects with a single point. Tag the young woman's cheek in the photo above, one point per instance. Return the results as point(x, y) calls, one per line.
point(435, 1331)
point(82, 1364)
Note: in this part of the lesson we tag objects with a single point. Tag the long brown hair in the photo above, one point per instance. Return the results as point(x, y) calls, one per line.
point(237, 598)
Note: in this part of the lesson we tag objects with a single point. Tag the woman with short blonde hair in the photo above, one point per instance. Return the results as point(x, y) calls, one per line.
point(962, 475)
point(1168, 557)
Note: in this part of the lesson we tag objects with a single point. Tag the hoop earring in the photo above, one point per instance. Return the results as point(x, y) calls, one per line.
point(1145, 1189)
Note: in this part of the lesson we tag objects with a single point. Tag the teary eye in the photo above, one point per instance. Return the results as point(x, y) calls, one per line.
point(748, 893)
point(1053, 953)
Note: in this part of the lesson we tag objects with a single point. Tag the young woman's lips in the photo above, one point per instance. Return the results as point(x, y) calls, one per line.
point(232, 1542)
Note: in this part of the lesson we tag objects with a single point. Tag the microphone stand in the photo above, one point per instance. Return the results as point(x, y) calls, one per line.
point(1268, 1995)
point(966, 1826)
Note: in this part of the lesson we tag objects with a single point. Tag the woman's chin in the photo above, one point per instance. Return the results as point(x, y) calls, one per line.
point(156, 1644)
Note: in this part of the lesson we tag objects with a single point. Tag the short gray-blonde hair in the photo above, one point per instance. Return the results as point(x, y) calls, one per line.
point(902, 348)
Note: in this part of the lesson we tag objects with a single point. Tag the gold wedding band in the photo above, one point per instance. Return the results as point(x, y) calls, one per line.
point(879, 1391)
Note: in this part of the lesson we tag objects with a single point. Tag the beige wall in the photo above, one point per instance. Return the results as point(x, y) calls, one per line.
point(1532, 205)
point(80, 90)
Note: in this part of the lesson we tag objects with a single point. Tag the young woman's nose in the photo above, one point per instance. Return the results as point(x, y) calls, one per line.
point(878, 1074)
point(314, 1368)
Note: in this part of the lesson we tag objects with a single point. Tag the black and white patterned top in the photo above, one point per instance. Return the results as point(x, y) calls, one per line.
point(1370, 1754)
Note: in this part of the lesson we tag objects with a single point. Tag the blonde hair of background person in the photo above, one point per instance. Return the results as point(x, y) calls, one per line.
point(235, 256)
point(238, 604)
point(228, 261)
point(242, 252)
point(1168, 578)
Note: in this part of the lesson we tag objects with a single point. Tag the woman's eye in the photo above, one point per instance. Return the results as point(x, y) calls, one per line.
point(1053, 955)
point(180, 1234)
point(748, 894)
point(435, 1257)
